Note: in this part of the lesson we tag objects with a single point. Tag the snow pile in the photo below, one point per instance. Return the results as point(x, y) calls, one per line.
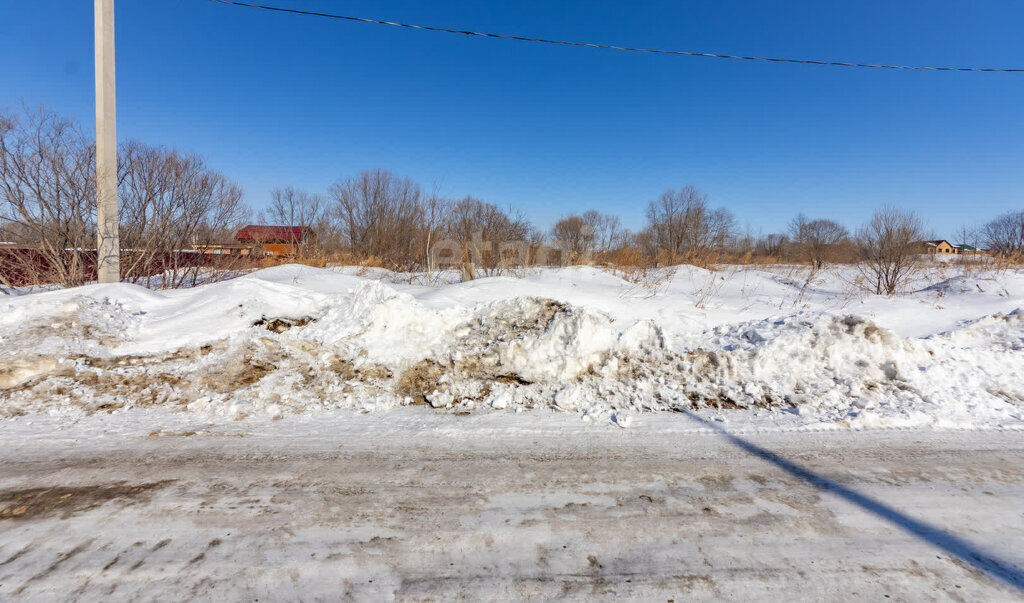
point(297, 340)
point(849, 370)
point(386, 325)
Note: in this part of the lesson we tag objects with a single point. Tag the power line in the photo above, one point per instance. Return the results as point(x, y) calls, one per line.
point(608, 46)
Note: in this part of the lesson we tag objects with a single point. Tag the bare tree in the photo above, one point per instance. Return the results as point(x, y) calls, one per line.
point(1005, 234)
point(435, 213)
point(816, 240)
point(608, 231)
point(292, 207)
point(681, 223)
point(381, 215)
point(969, 235)
point(771, 245)
point(490, 238)
point(171, 203)
point(743, 245)
point(47, 191)
point(575, 235)
point(298, 209)
point(888, 247)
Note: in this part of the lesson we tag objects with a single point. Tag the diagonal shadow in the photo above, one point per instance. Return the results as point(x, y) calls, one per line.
point(957, 547)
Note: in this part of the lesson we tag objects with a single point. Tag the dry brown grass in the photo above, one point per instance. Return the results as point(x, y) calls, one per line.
point(1008, 261)
point(323, 260)
point(632, 263)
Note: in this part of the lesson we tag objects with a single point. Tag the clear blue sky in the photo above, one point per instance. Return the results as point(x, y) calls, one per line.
point(273, 100)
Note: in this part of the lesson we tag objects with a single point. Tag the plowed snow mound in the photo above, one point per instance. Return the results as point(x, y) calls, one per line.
point(254, 346)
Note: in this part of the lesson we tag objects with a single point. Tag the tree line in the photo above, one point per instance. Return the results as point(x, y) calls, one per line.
point(173, 201)
point(169, 201)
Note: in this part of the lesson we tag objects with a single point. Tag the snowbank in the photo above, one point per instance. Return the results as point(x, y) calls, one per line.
point(298, 340)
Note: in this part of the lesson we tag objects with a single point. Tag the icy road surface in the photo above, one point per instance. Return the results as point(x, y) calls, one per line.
point(418, 505)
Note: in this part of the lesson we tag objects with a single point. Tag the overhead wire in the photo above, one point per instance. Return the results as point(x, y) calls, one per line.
point(610, 46)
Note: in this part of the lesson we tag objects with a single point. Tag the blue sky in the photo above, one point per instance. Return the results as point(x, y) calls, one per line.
point(273, 100)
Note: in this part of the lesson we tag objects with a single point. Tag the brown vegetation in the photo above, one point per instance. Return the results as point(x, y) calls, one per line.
point(889, 248)
point(1005, 234)
point(170, 202)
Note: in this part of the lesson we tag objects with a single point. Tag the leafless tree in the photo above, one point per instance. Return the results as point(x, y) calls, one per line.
point(490, 239)
point(888, 247)
point(169, 201)
point(771, 245)
point(381, 215)
point(296, 208)
point(575, 235)
point(1005, 234)
point(816, 240)
point(172, 203)
point(608, 231)
point(969, 235)
point(742, 245)
point(435, 214)
point(47, 191)
point(681, 223)
point(292, 207)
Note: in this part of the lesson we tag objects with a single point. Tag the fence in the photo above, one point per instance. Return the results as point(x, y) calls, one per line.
point(22, 266)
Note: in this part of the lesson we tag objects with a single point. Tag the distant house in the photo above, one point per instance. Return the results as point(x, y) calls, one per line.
point(940, 247)
point(965, 249)
point(275, 240)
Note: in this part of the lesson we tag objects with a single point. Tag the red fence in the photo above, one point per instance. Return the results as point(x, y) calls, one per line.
point(25, 266)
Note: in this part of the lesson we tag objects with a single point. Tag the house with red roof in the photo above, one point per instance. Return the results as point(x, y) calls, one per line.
point(275, 240)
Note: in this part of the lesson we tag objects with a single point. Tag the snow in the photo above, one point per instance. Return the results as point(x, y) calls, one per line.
point(297, 433)
point(416, 504)
point(765, 348)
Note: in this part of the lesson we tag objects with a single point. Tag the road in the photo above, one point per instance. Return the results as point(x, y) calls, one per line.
point(443, 513)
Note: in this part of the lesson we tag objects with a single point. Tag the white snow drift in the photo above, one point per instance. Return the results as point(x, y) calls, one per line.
point(297, 340)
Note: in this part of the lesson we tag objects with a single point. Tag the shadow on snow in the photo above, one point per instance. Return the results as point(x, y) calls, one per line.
point(953, 545)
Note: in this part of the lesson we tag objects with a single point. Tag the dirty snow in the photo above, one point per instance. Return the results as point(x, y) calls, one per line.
point(417, 505)
point(762, 346)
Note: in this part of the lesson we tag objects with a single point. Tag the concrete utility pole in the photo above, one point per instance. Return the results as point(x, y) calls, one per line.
point(108, 266)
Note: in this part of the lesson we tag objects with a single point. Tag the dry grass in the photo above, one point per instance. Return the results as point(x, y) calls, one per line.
point(420, 380)
point(632, 264)
point(1008, 261)
point(323, 260)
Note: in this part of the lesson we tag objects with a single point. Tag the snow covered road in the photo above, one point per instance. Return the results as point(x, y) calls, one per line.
point(418, 505)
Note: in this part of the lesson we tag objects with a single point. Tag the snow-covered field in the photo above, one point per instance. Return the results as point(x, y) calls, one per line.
point(755, 348)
